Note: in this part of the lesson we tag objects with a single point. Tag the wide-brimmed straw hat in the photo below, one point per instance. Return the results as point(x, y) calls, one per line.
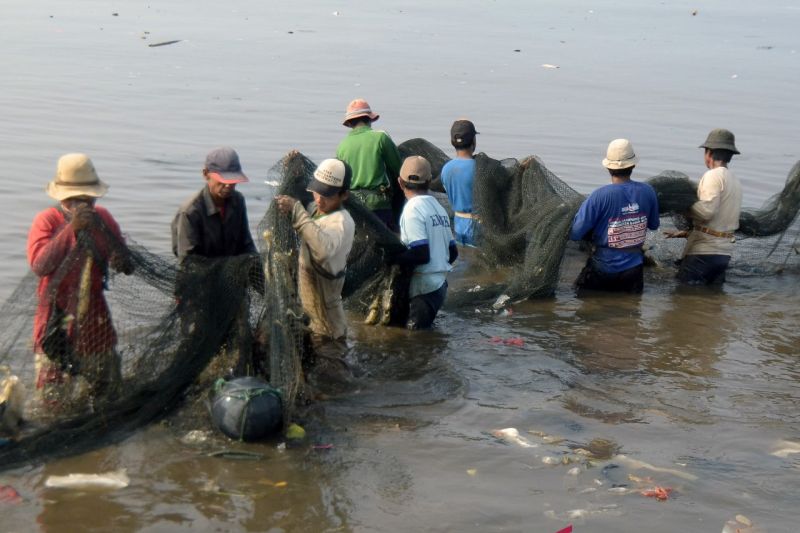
point(75, 176)
point(359, 108)
point(620, 155)
point(720, 139)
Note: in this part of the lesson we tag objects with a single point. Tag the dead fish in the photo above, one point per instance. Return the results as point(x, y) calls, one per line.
point(636, 464)
point(786, 448)
point(511, 435)
point(740, 524)
point(165, 43)
point(109, 480)
point(501, 301)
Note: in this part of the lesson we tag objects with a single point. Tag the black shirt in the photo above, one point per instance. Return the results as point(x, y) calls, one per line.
point(198, 227)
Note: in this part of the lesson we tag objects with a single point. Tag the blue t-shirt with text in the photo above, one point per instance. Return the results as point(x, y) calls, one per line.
point(618, 215)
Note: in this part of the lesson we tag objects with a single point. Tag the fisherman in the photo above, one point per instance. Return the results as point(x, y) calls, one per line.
point(375, 162)
point(425, 230)
point(326, 233)
point(715, 215)
point(213, 222)
point(457, 177)
point(616, 218)
point(70, 247)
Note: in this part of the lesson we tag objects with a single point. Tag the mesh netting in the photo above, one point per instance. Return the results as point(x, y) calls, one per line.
point(175, 330)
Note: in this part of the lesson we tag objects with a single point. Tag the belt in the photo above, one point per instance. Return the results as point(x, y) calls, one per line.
point(466, 215)
point(715, 233)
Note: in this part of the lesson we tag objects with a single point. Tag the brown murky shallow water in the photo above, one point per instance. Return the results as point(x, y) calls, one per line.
point(698, 382)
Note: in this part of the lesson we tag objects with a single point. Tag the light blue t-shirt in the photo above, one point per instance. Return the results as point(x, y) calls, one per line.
point(424, 221)
point(457, 177)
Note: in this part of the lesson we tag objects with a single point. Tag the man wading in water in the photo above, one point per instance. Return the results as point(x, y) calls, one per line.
point(213, 224)
point(326, 230)
point(375, 162)
point(425, 229)
point(716, 215)
point(616, 218)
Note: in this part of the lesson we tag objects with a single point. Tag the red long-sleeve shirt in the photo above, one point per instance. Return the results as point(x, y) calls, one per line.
point(50, 241)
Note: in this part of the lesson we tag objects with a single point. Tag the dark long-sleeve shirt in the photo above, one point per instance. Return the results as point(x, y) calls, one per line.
point(201, 228)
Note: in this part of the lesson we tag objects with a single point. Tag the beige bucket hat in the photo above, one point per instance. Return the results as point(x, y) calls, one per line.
point(620, 155)
point(75, 176)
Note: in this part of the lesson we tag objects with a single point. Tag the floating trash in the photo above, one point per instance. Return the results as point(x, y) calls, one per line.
point(164, 43)
point(511, 435)
point(659, 493)
point(117, 479)
point(195, 437)
point(9, 494)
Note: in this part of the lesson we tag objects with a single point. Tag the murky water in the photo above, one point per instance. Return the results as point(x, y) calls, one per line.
point(704, 383)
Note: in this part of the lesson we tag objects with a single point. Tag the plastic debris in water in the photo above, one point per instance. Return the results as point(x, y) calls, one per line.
point(295, 432)
point(512, 436)
point(740, 524)
point(322, 447)
point(472, 472)
point(550, 460)
point(659, 493)
point(548, 65)
point(9, 494)
point(511, 341)
point(786, 449)
point(195, 436)
point(574, 471)
point(636, 464)
point(108, 480)
point(567, 529)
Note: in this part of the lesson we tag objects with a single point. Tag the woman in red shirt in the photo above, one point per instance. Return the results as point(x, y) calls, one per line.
point(70, 247)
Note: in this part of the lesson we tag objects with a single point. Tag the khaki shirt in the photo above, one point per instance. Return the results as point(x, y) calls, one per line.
point(326, 241)
point(718, 208)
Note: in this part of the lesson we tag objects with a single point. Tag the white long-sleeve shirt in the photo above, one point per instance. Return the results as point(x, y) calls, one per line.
point(718, 207)
point(326, 240)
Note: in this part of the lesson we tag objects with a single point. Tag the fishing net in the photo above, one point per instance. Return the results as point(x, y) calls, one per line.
point(157, 339)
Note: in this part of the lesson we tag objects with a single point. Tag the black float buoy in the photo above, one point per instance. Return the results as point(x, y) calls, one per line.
point(246, 408)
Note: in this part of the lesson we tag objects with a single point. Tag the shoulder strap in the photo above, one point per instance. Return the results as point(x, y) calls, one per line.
point(321, 271)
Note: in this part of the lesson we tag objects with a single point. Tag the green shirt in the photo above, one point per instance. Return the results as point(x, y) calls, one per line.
point(374, 159)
